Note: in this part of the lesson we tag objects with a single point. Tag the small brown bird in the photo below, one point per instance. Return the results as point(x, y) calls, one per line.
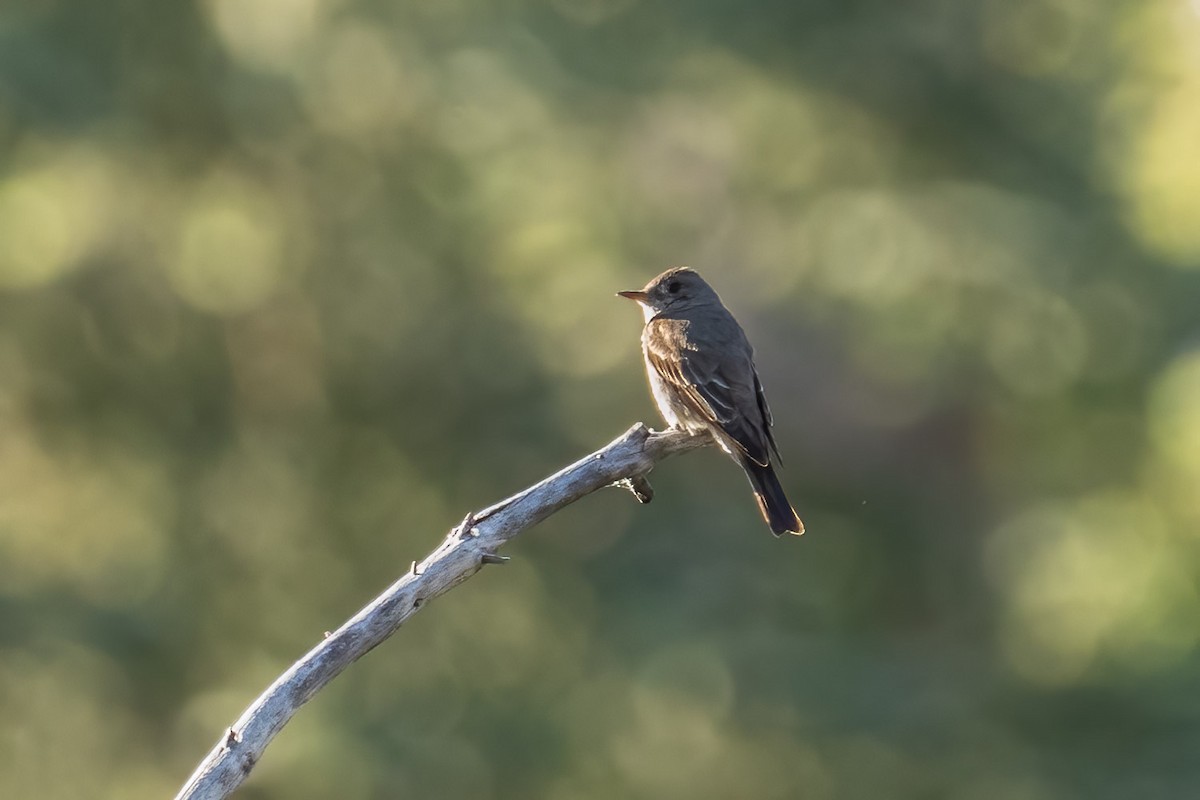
point(701, 370)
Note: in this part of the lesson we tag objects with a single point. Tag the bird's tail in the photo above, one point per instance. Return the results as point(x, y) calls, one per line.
point(772, 502)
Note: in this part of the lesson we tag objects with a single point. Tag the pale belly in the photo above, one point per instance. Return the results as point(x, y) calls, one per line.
point(662, 398)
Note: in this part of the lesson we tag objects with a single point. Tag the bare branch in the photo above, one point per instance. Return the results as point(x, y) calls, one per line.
point(465, 550)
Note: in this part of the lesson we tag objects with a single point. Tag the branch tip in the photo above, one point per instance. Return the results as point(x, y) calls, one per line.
point(466, 528)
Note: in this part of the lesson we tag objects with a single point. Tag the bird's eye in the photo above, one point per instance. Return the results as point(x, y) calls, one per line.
point(673, 287)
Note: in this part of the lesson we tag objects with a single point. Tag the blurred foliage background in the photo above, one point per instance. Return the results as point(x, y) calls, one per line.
point(288, 286)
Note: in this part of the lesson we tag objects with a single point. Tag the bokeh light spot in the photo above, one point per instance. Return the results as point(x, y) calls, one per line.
point(1033, 37)
point(869, 248)
point(229, 253)
point(1165, 176)
point(1037, 343)
point(685, 672)
point(1086, 580)
point(52, 215)
point(266, 33)
point(485, 107)
point(66, 704)
point(680, 157)
point(94, 522)
point(356, 86)
point(1175, 414)
point(1152, 129)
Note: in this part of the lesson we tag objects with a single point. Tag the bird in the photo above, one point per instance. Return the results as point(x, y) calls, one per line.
point(701, 371)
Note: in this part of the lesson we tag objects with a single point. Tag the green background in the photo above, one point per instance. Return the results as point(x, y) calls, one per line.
point(289, 286)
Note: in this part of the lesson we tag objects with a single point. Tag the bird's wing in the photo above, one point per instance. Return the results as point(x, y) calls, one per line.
point(768, 421)
point(713, 395)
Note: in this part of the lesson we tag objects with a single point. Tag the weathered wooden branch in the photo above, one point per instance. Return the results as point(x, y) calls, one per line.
point(466, 549)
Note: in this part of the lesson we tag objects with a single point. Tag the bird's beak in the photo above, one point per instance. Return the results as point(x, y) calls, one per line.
point(638, 295)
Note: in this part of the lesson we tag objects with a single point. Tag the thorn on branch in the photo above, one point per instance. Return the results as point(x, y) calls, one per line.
point(232, 737)
point(413, 569)
point(492, 558)
point(640, 487)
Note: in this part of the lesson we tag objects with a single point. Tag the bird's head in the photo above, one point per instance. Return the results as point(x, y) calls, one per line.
point(674, 290)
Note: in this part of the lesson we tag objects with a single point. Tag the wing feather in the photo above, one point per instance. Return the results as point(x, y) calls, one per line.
point(768, 421)
point(710, 395)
